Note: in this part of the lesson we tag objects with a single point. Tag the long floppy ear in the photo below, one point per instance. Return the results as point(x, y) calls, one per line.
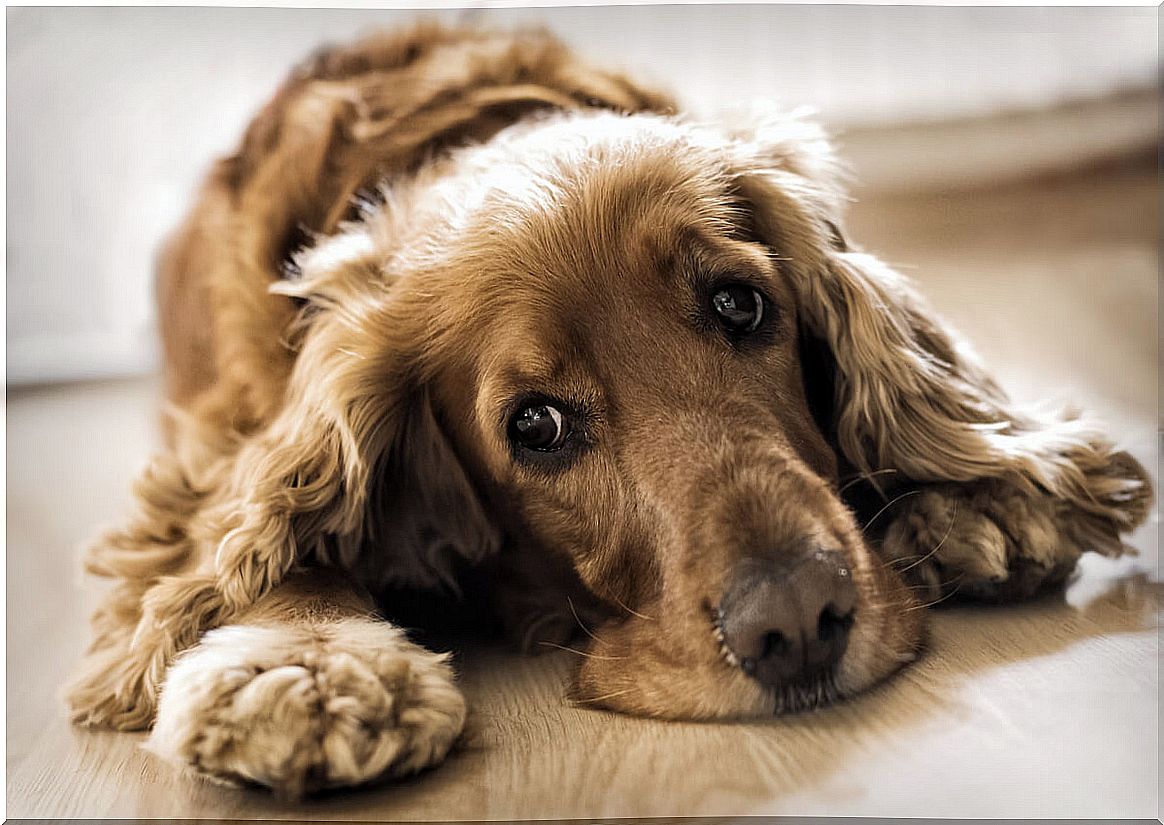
point(424, 518)
point(910, 396)
point(355, 470)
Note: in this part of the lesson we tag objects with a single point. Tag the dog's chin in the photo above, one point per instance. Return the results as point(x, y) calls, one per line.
point(642, 667)
point(658, 688)
point(726, 694)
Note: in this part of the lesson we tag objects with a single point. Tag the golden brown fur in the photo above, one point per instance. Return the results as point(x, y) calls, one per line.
point(354, 306)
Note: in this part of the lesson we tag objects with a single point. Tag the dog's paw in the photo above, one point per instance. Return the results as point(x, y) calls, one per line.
point(990, 540)
point(298, 709)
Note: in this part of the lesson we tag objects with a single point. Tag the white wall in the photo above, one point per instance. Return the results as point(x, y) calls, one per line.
point(114, 114)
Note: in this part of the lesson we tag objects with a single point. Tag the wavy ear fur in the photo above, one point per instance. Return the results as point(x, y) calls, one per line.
point(354, 471)
point(910, 396)
point(355, 461)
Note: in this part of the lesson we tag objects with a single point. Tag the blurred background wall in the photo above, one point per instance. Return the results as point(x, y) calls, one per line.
point(115, 113)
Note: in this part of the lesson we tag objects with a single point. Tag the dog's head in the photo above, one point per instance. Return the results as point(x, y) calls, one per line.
point(642, 345)
point(624, 378)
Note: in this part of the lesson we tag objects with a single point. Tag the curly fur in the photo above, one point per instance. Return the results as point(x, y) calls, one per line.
point(345, 314)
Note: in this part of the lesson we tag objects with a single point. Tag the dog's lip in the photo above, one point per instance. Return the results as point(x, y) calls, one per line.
point(725, 652)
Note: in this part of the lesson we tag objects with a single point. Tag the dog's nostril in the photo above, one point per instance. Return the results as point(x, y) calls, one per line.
point(832, 624)
point(775, 644)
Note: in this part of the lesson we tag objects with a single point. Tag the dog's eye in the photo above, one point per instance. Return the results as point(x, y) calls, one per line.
point(740, 308)
point(539, 427)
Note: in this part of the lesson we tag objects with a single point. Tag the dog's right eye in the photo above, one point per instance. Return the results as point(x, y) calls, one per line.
point(739, 308)
point(539, 427)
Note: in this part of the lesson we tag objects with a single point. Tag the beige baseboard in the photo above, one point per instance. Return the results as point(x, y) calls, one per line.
point(1004, 148)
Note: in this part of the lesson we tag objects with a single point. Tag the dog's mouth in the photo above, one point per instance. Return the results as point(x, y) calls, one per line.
point(808, 691)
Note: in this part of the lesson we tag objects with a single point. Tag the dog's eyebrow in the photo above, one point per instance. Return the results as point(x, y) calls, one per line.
point(518, 379)
point(694, 253)
point(535, 375)
point(674, 247)
point(557, 376)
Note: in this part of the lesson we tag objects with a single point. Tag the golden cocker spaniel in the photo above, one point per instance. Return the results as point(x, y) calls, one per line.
point(461, 305)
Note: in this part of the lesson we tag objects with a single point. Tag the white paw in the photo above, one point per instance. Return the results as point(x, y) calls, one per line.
point(990, 541)
point(298, 709)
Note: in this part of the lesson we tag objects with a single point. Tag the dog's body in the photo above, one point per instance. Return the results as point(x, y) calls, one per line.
point(624, 365)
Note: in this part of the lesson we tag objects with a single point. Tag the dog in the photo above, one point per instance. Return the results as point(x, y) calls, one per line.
point(463, 308)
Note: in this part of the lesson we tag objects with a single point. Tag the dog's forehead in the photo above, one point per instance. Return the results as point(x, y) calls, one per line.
point(574, 207)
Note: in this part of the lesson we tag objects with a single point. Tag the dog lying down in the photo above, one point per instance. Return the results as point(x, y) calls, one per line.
point(460, 302)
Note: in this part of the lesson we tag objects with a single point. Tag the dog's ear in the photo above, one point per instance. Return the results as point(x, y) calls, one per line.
point(818, 371)
point(424, 517)
point(356, 459)
point(910, 397)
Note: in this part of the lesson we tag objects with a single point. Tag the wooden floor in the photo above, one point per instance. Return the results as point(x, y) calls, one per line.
point(1048, 709)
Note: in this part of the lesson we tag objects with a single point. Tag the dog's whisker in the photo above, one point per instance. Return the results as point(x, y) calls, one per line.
point(613, 695)
point(928, 555)
point(863, 477)
point(957, 585)
point(876, 515)
point(921, 586)
point(578, 619)
point(616, 600)
point(581, 652)
point(900, 559)
point(888, 564)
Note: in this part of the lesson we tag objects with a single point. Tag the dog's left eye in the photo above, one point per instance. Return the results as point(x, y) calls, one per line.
point(739, 308)
point(539, 427)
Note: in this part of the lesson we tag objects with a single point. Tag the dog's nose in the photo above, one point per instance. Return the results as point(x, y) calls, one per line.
point(784, 623)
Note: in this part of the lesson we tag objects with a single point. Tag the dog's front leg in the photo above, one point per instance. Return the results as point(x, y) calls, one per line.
point(307, 690)
point(997, 540)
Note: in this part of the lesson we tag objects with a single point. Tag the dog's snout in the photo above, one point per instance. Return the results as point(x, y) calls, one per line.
point(784, 623)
